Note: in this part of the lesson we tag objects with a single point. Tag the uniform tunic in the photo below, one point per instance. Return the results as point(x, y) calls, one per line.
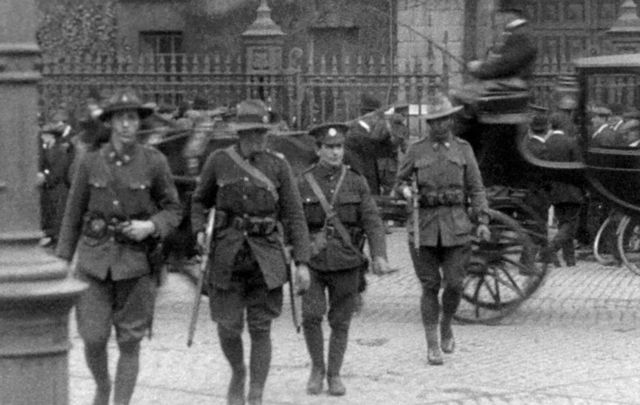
point(355, 208)
point(145, 190)
point(444, 167)
point(237, 194)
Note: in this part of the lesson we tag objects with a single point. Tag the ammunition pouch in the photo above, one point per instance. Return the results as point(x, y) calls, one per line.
point(253, 226)
point(439, 198)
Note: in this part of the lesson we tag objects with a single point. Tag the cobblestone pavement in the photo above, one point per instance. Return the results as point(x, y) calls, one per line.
point(575, 341)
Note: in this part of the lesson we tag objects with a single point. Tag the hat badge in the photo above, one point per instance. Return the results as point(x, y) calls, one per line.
point(265, 119)
point(333, 132)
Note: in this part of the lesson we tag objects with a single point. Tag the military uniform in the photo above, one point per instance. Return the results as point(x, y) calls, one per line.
point(448, 180)
point(94, 211)
point(122, 202)
point(248, 265)
point(335, 264)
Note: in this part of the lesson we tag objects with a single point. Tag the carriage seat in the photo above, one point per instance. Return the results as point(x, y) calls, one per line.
point(504, 108)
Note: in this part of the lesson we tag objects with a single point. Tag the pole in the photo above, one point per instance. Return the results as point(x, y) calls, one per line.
point(35, 293)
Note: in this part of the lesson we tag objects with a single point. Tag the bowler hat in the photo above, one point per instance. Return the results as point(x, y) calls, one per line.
point(510, 5)
point(439, 106)
point(369, 103)
point(629, 125)
point(539, 124)
point(124, 101)
point(332, 133)
point(54, 128)
point(601, 111)
point(251, 114)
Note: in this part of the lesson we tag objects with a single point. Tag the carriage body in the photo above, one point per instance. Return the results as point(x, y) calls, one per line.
point(613, 172)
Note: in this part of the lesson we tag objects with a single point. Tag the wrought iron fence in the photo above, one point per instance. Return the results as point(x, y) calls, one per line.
point(306, 91)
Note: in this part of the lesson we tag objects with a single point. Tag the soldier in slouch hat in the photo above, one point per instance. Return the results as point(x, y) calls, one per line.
point(122, 202)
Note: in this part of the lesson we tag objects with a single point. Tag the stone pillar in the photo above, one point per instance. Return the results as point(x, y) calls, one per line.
point(624, 35)
point(35, 293)
point(263, 54)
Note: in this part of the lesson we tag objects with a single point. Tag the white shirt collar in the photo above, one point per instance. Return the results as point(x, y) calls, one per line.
point(516, 23)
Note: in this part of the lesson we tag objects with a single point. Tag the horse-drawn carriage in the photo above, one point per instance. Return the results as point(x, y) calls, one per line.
point(504, 271)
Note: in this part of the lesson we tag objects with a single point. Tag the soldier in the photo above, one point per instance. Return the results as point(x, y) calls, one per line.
point(254, 192)
point(329, 187)
point(566, 198)
point(448, 179)
point(56, 156)
point(122, 201)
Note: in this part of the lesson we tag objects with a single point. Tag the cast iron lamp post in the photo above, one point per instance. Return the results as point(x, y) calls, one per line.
point(35, 292)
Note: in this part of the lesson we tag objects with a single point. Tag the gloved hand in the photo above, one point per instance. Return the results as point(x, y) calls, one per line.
point(139, 230)
point(302, 279)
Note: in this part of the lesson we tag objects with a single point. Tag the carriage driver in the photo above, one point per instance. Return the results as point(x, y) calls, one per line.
point(254, 192)
point(448, 179)
point(122, 201)
point(330, 187)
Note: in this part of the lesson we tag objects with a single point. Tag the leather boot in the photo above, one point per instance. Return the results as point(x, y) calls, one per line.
point(447, 341)
point(312, 328)
point(316, 381)
point(235, 393)
point(434, 355)
point(336, 387)
point(255, 394)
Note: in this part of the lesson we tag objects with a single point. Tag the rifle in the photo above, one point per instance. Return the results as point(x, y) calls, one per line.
point(292, 294)
point(415, 200)
point(204, 271)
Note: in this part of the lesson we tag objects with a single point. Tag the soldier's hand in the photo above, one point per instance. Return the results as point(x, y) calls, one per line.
point(139, 230)
point(483, 232)
point(406, 193)
point(302, 278)
point(380, 266)
point(201, 240)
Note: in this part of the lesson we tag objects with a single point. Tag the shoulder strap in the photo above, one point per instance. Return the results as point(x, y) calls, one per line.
point(252, 171)
point(331, 215)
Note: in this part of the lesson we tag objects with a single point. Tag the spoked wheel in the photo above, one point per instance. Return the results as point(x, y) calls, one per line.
point(629, 242)
point(501, 274)
point(606, 231)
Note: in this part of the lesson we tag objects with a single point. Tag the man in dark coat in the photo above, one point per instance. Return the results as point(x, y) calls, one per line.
point(56, 156)
point(566, 198)
point(122, 201)
point(448, 180)
point(255, 196)
point(336, 259)
point(509, 66)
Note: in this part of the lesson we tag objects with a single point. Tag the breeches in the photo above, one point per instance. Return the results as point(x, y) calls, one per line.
point(342, 288)
point(126, 304)
point(452, 259)
point(247, 292)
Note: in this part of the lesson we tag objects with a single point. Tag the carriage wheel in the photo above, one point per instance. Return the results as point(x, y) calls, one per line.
point(501, 274)
point(629, 242)
point(606, 228)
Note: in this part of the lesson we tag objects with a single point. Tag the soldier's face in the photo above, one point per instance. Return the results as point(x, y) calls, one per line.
point(331, 155)
point(124, 126)
point(440, 128)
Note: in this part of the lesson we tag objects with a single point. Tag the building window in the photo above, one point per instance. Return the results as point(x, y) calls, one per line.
point(161, 42)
